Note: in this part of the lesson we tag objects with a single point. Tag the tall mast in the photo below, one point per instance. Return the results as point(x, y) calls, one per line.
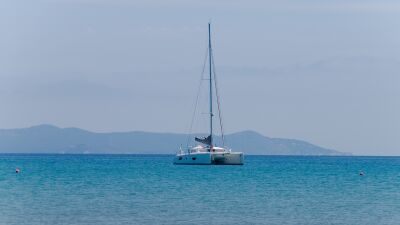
point(210, 62)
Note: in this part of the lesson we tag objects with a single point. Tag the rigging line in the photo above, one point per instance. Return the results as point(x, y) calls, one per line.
point(218, 102)
point(197, 99)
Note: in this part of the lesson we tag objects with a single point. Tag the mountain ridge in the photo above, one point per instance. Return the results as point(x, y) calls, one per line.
point(48, 138)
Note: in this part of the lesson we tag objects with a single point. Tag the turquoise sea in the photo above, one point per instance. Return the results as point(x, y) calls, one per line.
point(149, 189)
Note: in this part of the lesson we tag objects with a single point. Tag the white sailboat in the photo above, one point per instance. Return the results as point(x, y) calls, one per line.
point(207, 153)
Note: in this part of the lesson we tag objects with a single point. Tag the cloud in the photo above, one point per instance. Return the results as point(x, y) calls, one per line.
point(355, 6)
point(255, 5)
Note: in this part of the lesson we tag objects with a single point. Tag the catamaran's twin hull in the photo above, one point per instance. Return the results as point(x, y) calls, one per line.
point(228, 158)
point(210, 158)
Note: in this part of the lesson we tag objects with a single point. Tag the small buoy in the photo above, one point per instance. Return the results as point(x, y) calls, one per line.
point(17, 170)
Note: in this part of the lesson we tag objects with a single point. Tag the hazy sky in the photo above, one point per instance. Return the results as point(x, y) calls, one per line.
point(322, 71)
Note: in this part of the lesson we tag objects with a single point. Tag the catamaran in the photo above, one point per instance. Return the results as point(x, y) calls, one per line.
point(207, 153)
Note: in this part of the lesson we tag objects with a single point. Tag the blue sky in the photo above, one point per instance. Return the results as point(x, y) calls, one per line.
point(322, 71)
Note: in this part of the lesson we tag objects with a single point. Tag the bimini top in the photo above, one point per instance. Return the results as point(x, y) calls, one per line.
point(204, 140)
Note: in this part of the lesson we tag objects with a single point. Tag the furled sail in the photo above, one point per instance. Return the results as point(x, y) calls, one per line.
point(205, 140)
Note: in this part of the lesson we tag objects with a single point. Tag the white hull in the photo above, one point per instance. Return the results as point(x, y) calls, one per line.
point(227, 158)
point(210, 158)
point(198, 158)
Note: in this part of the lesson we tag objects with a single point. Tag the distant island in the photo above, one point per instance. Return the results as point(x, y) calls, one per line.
point(52, 139)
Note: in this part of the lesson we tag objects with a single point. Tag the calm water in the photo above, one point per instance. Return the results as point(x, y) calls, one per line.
point(133, 189)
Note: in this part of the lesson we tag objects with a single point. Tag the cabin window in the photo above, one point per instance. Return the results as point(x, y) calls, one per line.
point(180, 158)
point(194, 158)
